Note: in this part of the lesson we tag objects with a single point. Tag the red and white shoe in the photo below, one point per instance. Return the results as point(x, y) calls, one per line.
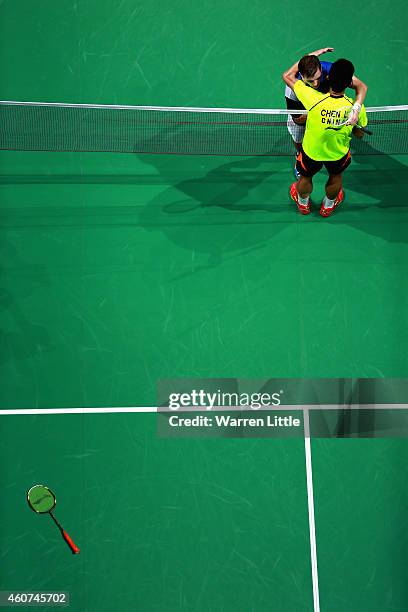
point(326, 212)
point(304, 209)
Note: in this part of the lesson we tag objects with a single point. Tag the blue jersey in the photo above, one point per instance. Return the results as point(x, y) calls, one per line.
point(292, 101)
point(324, 79)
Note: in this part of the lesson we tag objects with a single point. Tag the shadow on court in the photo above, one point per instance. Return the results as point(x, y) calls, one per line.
point(234, 187)
point(20, 339)
point(383, 179)
point(227, 186)
point(230, 208)
point(25, 340)
point(213, 214)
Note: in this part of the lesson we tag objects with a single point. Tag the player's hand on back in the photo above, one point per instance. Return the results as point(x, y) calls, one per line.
point(321, 51)
point(300, 119)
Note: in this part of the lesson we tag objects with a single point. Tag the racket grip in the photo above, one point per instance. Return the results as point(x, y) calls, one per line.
point(74, 548)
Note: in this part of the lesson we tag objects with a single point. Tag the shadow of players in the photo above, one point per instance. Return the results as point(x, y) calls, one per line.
point(384, 180)
point(209, 213)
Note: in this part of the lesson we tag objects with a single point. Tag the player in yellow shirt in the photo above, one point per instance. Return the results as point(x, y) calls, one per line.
point(326, 143)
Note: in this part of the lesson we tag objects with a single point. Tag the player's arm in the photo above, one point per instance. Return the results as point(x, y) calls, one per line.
point(361, 92)
point(360, 88)
point(321, 51)
point(289, 76)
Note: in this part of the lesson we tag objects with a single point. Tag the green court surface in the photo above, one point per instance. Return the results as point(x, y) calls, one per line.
point(120, 270)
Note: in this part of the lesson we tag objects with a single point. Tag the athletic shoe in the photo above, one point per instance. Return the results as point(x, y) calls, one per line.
point(326, 212)
point(304, 209)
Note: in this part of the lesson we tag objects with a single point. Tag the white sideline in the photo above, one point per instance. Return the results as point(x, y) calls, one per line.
point(310, 505)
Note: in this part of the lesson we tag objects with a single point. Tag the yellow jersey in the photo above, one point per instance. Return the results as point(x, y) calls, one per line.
point(320, 142)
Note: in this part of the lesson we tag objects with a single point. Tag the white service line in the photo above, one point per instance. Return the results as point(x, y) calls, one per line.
point(282, 408)
point(310, 503)
point(45, 411)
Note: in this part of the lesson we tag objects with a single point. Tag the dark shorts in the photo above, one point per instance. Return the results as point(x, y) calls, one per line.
point(306, 166)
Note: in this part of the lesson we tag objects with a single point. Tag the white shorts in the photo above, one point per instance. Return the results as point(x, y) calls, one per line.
point(296, 131)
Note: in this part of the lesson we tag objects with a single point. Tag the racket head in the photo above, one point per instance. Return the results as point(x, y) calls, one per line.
point(339, 118)
point(41, 499)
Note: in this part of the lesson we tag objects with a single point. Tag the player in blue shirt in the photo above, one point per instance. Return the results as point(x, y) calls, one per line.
point(315, 74)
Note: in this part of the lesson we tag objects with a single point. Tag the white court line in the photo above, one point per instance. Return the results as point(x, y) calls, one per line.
point(308, 452)
point(129, 409)
point(101, 410)
point(310, 504)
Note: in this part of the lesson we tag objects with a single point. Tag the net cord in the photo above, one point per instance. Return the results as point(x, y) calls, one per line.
point(190, 109)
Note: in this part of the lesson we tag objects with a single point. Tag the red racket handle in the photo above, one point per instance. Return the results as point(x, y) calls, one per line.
point(74, 548)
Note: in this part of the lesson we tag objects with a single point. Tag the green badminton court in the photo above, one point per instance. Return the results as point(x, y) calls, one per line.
point(117, 271)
